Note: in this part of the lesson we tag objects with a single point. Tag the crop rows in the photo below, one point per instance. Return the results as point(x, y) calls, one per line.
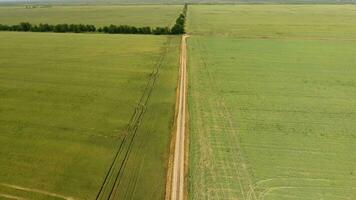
point(219, 152)
point(112, 182)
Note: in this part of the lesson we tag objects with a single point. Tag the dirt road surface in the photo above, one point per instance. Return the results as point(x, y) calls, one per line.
point(177, 190)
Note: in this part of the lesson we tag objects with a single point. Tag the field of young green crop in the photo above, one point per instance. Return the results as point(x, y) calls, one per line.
point(65, 103)
point(171, 2)
point(100, 15)
point(272, 102)
point(274, 21)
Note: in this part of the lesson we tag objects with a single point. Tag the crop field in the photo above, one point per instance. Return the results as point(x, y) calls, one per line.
point(272, 102)
point(100, 15)
point(274, 21)
point(67, 102)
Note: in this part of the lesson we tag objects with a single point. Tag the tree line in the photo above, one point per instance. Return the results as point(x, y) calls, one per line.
point(60, 28)
point(178, 27)
point(84, 28)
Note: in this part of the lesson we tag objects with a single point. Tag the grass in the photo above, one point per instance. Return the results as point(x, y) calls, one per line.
point(100, 15)
point(172, 2)
point(272, 102)
point(65, 101)
point(274, 21)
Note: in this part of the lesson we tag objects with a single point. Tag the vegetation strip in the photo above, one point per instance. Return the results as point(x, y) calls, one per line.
point(177, 29)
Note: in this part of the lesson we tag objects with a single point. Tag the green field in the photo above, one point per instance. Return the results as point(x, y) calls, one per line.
point(274, 21)
point(171, 2)
point(100, 15)
point(272, 102)
point(65, 103)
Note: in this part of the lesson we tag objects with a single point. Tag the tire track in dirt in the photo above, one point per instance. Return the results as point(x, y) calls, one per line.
point(178, 179)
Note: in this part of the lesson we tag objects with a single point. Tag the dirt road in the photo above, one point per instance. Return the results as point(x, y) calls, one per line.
point(177, 190)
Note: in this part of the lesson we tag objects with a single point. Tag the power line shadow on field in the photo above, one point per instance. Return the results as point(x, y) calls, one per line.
point(110, 187)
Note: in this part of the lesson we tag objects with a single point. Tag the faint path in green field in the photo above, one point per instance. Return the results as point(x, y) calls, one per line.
point(32, 190)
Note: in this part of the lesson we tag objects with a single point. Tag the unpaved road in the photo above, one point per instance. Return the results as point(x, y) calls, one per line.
point(177, 190)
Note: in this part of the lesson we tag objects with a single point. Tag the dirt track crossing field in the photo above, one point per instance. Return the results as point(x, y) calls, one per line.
point(177, 191)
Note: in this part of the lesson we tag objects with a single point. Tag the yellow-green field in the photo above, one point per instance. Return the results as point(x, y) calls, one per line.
point(272, 102)
point(65, 103)
point(274, 21)
point(100, 15)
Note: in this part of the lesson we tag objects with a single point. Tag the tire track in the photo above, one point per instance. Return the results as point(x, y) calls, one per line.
point(7, 196)
point(177, 190)
point(112, 181)
point(42, 192)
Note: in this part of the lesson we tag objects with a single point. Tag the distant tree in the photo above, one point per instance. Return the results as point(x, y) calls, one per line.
point(61, 28)
point(112, 29)
point(34, 28)
point(106, 29)
point(180, 20)
point(161, 31)
point(45, 28)
point(133, 30)
point(24, 26)
point(15, 28)
point(144, 30)
point(91, 28)
point(177, 29)
point(4, 27)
